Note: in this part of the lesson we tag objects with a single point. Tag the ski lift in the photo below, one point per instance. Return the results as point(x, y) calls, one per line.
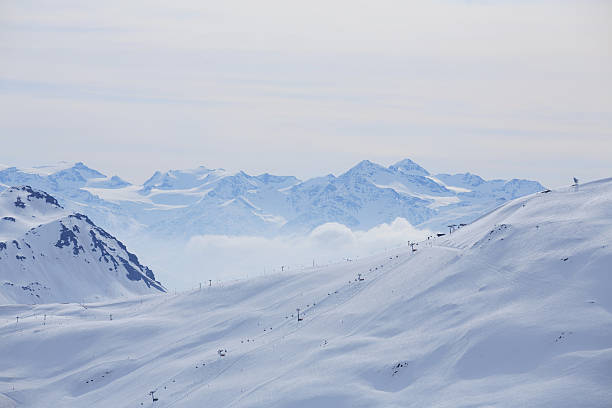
point(152, 394)
point(222, 352)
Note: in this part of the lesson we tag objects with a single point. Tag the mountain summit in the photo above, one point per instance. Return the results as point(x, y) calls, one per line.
point(407, 166)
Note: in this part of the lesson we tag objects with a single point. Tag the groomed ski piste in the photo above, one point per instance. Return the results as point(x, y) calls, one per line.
point(512, 310)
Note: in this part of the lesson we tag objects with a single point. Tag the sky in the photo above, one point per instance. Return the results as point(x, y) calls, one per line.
point(502, 89)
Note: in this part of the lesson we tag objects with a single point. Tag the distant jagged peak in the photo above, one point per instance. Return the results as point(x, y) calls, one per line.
point(461, 179)
point(278, 183)
point(365, 168)
point(515, 187)
point(316, 182)
point(24, 207)
point(55, 169)
point(112, 183)
point(181, 179)
point(197, 171)
point(203, 177)
point(407, 166)
point(23, 197)
point(153, 179)
point(87, 172)
point(46, 169)
point(242, 174)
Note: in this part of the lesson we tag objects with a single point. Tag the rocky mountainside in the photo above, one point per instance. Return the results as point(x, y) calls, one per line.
point(48, 254)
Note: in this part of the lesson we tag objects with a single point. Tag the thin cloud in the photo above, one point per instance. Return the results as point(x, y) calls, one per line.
point(222, 257)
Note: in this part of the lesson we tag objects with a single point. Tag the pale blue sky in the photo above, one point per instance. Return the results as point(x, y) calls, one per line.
point(499, 88)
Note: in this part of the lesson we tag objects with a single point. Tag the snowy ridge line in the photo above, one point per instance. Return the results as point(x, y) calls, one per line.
point(536, 195)
point(511, 203)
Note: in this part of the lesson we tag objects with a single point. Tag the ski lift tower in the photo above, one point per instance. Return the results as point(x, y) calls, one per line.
point(575, 185)
point(152, 394)
point(298, 315)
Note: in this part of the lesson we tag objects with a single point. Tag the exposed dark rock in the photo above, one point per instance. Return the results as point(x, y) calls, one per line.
point(19, 203)
point(66, 238)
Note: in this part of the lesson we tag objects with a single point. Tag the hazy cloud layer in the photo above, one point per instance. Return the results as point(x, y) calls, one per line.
point(221, 257)
point(500, 88)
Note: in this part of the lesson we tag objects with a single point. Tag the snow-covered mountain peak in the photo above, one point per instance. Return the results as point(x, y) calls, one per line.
point(364, 168)
point(22, 208)
point(181, 179)
point(112, 183)
point(47, 254)
point(60, 177)
point(277, 181)
point(28, 199)
point(47, 169)
point(64, 167)
point(407, 166)
point(464, 180)
point(87, 172)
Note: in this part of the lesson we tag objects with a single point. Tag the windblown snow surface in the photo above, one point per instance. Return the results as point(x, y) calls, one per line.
point(513, 310)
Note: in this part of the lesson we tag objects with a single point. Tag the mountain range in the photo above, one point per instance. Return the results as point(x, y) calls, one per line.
point(183, 203)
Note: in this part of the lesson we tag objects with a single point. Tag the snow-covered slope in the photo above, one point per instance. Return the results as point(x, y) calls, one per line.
point(512, 310)
point(183, 203)
point(50, 255)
